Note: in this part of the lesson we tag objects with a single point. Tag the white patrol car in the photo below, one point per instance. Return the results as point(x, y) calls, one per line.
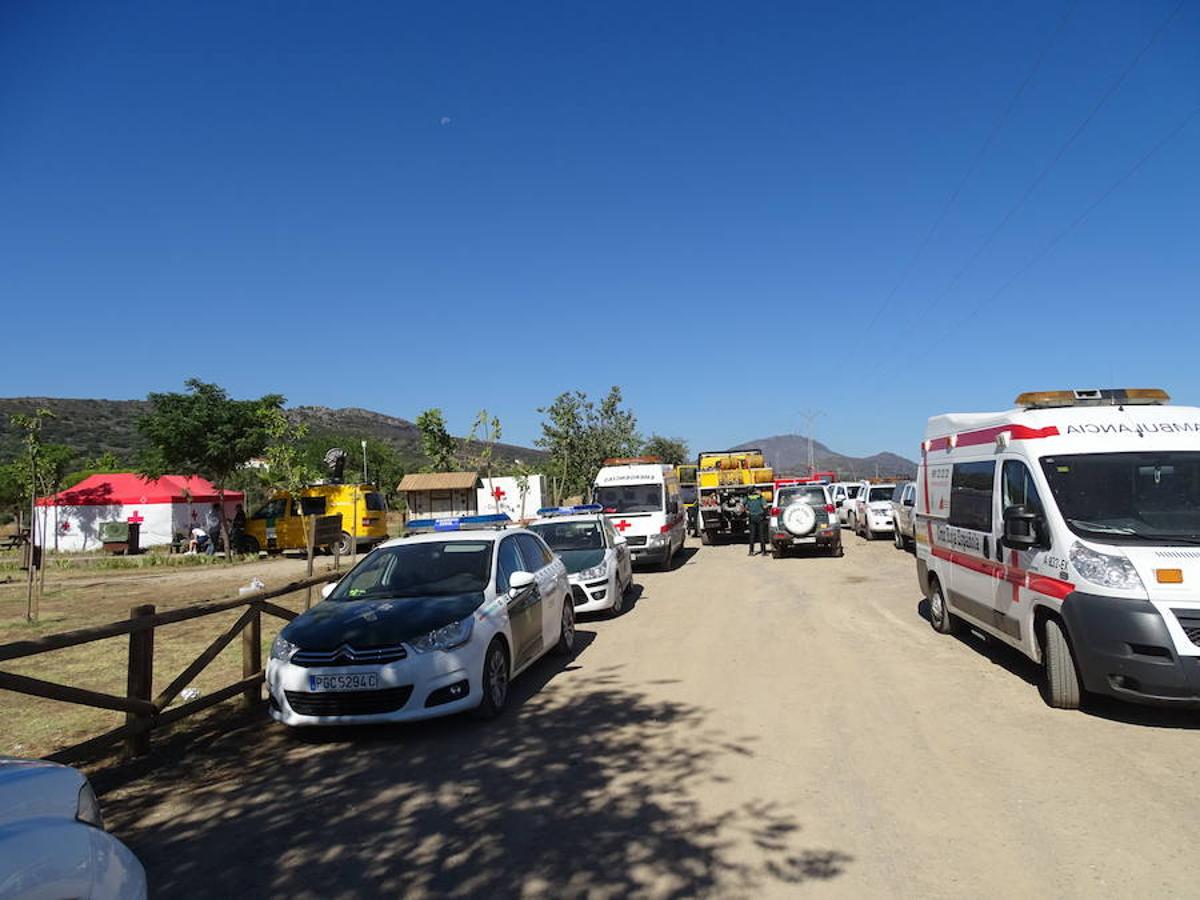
point(641, 498)
point(596, 556)
point(871, 512)
point(1069, 528)
point(425, 625)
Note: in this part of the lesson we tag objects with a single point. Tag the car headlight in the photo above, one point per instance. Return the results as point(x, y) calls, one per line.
point(282, 649)
point(88, 808)
point(600, 571)
point(445, 638)
point(657, 539)
point(1104, 569)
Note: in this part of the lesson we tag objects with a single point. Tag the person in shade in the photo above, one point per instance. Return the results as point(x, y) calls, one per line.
point(756, 509)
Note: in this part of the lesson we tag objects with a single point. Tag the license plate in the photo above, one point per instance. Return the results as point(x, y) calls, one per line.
point(359, 681)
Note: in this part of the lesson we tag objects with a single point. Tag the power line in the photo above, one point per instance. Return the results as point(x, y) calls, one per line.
point(1078, 220)
point(1062, 151)
point(980, 154)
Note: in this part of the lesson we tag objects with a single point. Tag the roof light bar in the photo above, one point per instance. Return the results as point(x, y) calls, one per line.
point(1093, 397)
point(459, 523)
point(570, 510)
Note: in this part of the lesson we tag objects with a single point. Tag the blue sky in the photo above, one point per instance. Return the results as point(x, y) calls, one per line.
point(467, 205)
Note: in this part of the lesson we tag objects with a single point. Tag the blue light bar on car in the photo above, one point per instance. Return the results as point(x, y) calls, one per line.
point(570, 510)
point(459, 523)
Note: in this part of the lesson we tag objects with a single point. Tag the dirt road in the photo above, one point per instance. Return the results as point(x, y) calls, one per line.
point(750, 727)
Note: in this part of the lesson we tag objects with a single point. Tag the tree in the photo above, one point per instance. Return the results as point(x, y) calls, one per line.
point(28, 478)
point(579, 436)
point(485, 433)
point(672, 451)
point(204, 432)
point(440, 448)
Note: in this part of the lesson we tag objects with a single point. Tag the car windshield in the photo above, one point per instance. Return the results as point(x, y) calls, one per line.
point(813, 496)
point(564, 536)
point(1130, 496)
point(420, 569)
point(630, 498)
point(852, 491)
point(880, 493)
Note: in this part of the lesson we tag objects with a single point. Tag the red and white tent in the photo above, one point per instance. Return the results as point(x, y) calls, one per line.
point(173, 504)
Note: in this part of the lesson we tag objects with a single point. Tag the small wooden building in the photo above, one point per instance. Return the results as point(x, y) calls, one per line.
point(440, 495)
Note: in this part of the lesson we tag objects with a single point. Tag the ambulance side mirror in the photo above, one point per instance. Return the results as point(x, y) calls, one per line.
point(1020, 528)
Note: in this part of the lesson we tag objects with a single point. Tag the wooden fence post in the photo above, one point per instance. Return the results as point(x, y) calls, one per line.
point(140, 683)
point(252, 657)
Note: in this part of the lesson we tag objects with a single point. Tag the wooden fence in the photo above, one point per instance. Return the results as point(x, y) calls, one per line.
point(143, 712)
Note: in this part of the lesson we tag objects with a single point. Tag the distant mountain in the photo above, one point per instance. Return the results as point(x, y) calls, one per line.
point(92, 427)
point(788, 454)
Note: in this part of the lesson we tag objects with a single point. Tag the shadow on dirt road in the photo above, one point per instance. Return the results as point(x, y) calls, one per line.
point(587, 789)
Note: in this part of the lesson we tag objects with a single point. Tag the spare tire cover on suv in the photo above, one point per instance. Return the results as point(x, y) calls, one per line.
point(799, 518)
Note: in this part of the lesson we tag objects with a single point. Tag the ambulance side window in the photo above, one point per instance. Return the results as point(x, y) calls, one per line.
point(971, 495)
point(1019, 489)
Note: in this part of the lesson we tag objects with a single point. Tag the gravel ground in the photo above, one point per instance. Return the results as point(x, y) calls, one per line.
point(750, 727)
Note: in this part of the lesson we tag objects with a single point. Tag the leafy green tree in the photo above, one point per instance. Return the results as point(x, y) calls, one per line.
point(579, 435)
point(205, 432)
point(672, 451)
point(440, 448)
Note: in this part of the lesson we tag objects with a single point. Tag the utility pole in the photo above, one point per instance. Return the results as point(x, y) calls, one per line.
point(810, 416)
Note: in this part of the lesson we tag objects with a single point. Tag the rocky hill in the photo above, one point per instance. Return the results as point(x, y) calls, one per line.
point(92, 427)
point(788, 453)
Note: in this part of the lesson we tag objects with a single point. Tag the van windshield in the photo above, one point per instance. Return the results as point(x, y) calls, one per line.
point(1128, 497)
point(630, 498)
point(880, 493)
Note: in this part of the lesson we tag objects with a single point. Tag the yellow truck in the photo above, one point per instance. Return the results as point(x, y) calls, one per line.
point(724, 479)
point(279, 525)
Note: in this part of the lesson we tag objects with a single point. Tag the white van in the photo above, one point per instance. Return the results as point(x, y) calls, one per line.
point(641, 498)
point(1069, 527)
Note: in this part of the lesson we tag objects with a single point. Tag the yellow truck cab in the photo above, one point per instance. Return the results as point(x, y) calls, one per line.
point(279, 524)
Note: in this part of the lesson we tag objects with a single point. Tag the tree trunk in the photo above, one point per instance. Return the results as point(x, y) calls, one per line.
point(224, 522)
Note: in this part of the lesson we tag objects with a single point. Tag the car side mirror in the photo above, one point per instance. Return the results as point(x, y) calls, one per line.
point(328, 589)
point(1020, 528)
point(519, 581)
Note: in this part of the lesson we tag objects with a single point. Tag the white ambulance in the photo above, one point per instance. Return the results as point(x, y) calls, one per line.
point(1069, 527)
point(640, 496)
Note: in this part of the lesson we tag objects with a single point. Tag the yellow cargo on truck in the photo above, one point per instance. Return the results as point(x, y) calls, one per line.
point(280, 523)
point(724, 480)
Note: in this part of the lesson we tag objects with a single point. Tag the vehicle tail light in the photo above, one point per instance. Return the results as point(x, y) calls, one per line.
point(829, 507)
point(774, 510)
point(665, 529)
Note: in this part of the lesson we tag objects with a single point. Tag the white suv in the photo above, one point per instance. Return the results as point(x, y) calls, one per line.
point(872, 510)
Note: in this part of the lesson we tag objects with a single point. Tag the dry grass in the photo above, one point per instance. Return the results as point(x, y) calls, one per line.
point(77, 599)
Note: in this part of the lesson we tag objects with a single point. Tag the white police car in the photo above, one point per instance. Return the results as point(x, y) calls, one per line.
point(52, 837)
point(597, 558)
point(426, 625)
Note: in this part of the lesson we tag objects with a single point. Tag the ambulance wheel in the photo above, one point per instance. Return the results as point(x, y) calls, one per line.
point(898, 540)
point(494, 682)
point(939, 612)
point(345, 545)
point(1062, 678)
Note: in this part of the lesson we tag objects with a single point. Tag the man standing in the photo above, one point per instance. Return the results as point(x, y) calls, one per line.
point(212, 523)
point(756, 508)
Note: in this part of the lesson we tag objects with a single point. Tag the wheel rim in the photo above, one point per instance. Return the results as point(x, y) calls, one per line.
point(937, 606)
point(568, 626)
point(497, 679)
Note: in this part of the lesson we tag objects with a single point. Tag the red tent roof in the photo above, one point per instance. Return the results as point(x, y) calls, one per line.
point(127, 487)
